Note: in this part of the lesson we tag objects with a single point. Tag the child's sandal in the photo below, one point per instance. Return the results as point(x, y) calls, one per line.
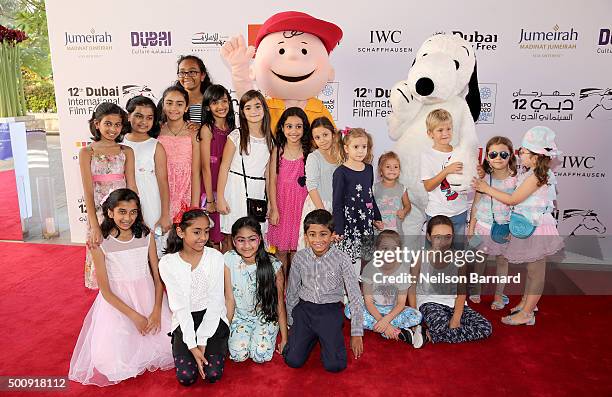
point(509, 320)
point(475, 298)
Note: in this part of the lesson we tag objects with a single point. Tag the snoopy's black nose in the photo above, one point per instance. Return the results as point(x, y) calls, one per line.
point(424, 86)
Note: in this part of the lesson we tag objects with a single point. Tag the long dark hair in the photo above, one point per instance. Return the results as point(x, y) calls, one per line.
point(160, 104)
point(139, 229)
point(244, 124)
point(281, 138)
point(145, 101)
point(105, 109)
point(174, 243)
point(206, 82)
point(266, 302)
point(214, 93)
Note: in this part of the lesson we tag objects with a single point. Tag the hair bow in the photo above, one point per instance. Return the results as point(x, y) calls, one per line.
point(345, 131)
point(178, 218)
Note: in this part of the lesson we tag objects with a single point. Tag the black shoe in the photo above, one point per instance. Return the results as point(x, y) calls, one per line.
point(406, 335)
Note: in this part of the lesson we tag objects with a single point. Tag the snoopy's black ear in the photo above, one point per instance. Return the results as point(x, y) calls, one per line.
point(473, 96)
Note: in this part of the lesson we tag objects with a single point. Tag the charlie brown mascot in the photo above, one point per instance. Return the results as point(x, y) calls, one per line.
point(291, 64)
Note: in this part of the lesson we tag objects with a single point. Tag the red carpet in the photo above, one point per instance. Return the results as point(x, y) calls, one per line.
point(10, 220)
point(566, 353)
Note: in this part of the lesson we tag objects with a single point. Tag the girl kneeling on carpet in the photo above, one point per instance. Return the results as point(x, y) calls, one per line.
point(254, 295)
point(440, 291)
point(121, 336)
point(533, 201)
point(193, 274)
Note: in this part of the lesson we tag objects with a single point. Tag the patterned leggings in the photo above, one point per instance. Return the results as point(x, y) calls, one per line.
point(252, 337)
point(186, 367)
point(437, 317)
point(409, 317)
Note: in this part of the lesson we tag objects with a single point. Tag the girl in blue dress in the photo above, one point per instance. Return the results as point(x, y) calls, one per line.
point(254, 289)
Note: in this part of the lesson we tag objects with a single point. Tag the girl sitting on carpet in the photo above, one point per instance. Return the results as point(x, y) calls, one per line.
point(385, 287)
point(439, 298)
point(121, 336)
point(193, 274)
point(254, 295)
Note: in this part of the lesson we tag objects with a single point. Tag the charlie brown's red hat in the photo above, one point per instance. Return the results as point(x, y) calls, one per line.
point(329, 33)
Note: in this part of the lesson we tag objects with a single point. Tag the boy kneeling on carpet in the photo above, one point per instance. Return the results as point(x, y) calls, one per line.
point(315, 293)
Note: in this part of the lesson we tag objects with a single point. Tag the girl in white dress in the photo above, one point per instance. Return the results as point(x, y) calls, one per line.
point(251, 144)
point(151, 172)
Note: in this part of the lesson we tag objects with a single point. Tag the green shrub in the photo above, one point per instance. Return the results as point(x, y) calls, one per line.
point(39, 92)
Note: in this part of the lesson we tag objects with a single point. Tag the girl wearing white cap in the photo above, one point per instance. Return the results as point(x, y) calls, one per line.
point(533, 228)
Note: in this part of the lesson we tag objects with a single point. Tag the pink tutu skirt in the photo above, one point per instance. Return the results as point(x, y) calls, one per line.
point(488, 246)
point(544, 241)
point(110, 348)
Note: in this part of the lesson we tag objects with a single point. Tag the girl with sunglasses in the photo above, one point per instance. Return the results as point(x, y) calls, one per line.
point(500, 169)
point(254, 295)
point(533, 228)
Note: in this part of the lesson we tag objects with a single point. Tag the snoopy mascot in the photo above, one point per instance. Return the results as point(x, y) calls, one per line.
point(443, 75)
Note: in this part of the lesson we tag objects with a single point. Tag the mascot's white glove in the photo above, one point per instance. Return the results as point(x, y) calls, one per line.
point(237, 56)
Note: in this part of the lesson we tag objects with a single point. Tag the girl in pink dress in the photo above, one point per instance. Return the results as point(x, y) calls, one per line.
point(288, 182)
point(218, 122)
point(124, 332)
point(105, 166)
point(182, 150)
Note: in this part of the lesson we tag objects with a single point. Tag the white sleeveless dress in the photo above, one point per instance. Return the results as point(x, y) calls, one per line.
point(148, 190)
point(110, 348)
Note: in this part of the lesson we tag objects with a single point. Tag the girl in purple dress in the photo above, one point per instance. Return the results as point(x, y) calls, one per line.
point(218, 122)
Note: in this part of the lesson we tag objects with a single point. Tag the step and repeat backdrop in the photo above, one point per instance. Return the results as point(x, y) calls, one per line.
point(538, 63)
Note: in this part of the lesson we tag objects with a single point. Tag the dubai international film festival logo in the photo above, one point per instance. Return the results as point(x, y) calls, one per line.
point(488, 93)
point(599, 103)
point(83, 100)
point(604, 41)
point(91, 44)
point(329, 97)
point(548, 43)
point(384, 41)
point(151, 42)
point(580, 222)
point(480, 41)
point(207, 41)
point(132, 90)
point(541, 106)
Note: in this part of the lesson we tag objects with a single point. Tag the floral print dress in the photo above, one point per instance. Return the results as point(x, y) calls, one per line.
point(355, 211)
point(250, 335)
point(108, 174)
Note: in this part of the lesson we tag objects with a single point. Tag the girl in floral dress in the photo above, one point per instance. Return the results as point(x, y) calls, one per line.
point(254, 289)
point(105, 166)
point(355, 210)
